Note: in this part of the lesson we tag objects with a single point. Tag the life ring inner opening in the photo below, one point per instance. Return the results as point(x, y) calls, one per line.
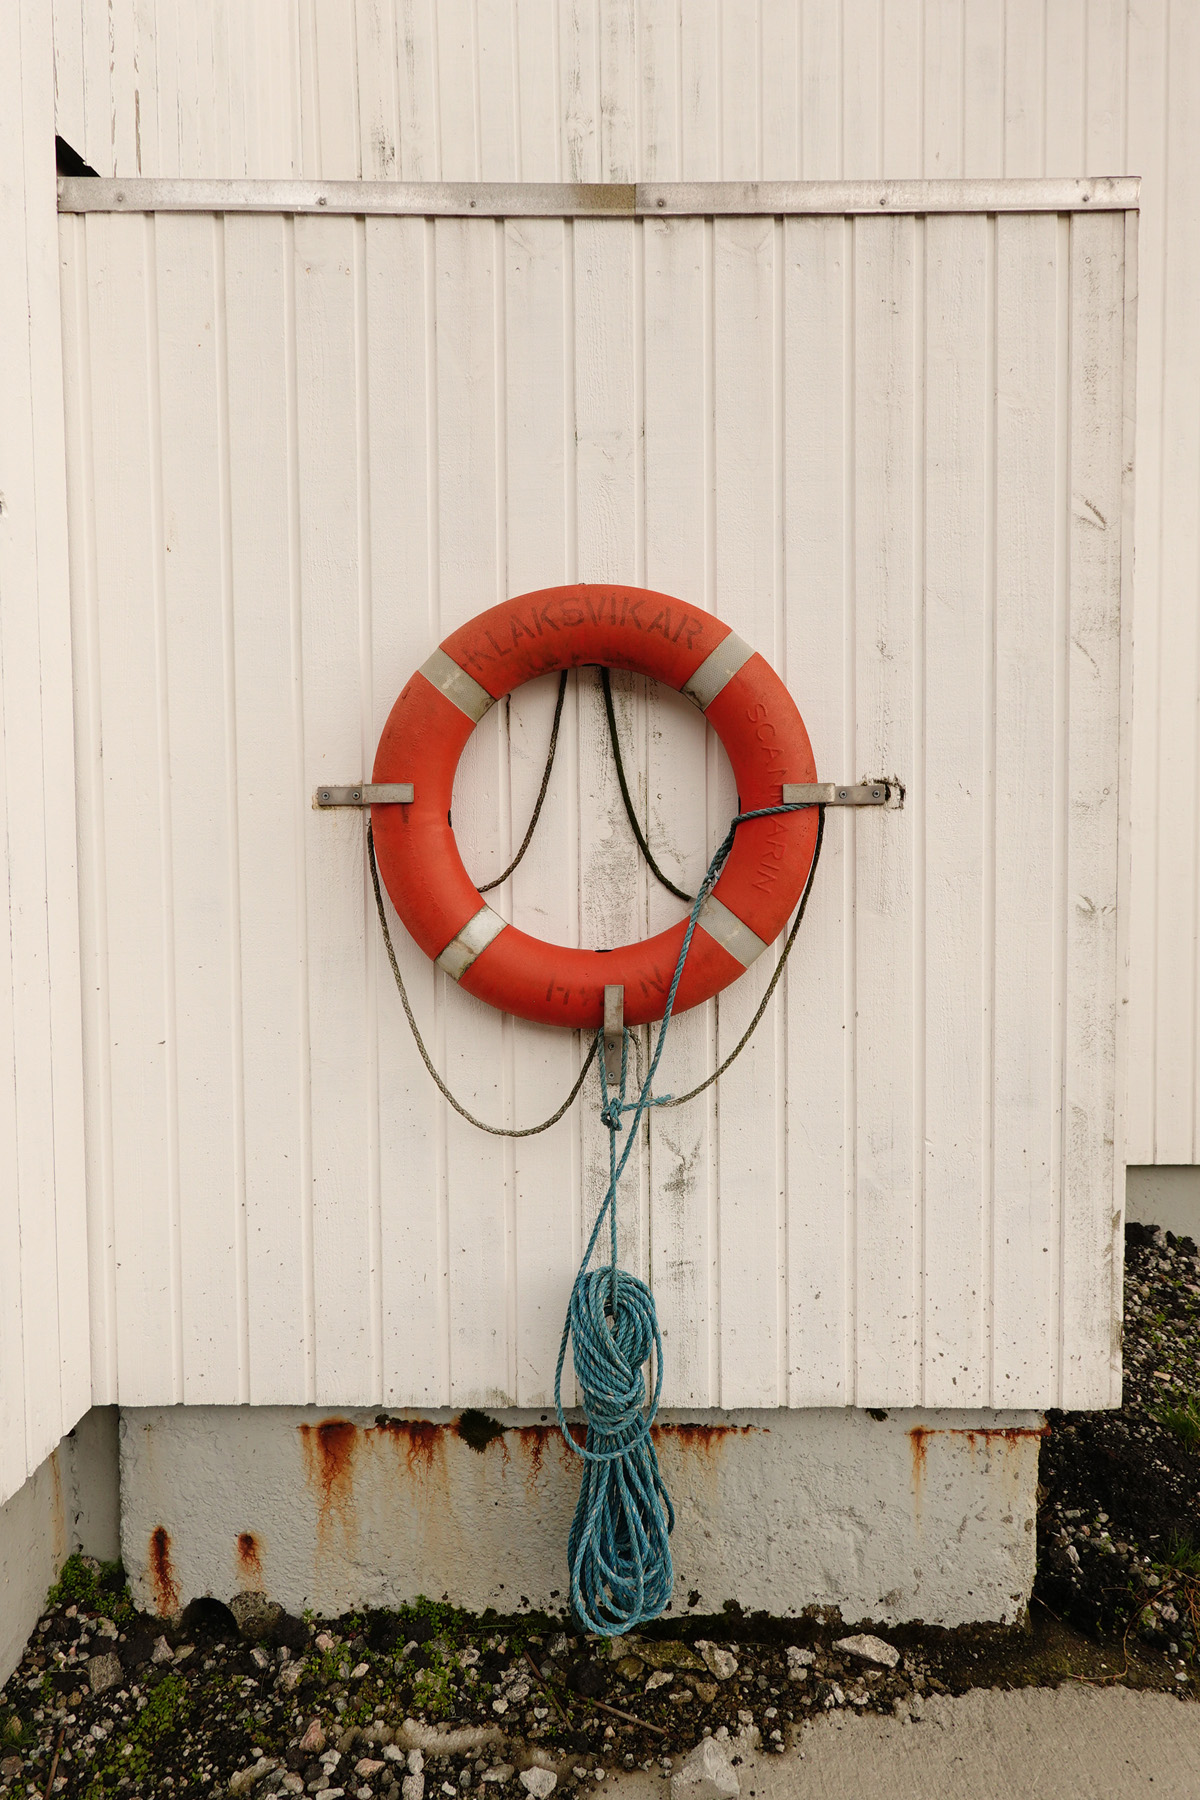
point(685, 746)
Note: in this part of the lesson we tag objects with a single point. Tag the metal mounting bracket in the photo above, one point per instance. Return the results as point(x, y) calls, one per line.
point(367, 793)
point(828, 793)
point(614, 1030)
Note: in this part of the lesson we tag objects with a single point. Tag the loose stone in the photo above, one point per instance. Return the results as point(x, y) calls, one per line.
point(865, 1648)
point(720, 1662)
point(104, 1672)
point(538, 1782)
point(706, 1774)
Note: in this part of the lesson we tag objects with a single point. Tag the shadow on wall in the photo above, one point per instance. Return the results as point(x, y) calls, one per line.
point(1166, 1195)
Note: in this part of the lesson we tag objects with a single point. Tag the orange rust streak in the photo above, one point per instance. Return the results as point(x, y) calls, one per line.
point(423, 1441)
point(705, 1438)
point(166, 1588)
point(329, 1456)
point(919, 1438)
point(249, 1559)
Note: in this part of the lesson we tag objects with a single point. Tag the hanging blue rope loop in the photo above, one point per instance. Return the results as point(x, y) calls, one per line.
point(618, 1549)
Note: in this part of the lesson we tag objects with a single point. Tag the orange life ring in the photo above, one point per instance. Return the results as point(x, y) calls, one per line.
point(563, 628)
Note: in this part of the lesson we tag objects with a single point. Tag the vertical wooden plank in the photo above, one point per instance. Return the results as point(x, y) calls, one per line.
point(1066, 71)
point(889, 725)
point(945, 100)
point(660, 49)
point(983, 86)
point(375, 66)
point(901, 124)
point(1025, 1106)
point(1178, 872)
point(122, 58)
point(1091, 1311)
point(862, 89)
point(332, 617)
point(403, 455)
point(172, 127)
point(682, 1139)
point(617, 112)
point(129, 570)
point(42, 1336)
point(1107, 28)
point(337, 91)
point(69, 74)
point(578, 90)
point(197, 614)
point(96, 1183)
point(543, 894)
point(822, 91)
point(1025, 87)
point(499, 126)
point(959, 795)
point(1150, 993)
point(608, 495)
point(700, 88)
point(471, 576)
point(417, 90)
point(536, 78)
point(457, 74)
point(98, 102)
point(780, 103)
point(747, 416)
point(44, 340)
point(271, 806)
point(739, 63)
point(820, 1010)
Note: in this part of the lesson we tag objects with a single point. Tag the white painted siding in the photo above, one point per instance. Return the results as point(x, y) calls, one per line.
point(616, 90)
point(889, 451)
point(44, 1363)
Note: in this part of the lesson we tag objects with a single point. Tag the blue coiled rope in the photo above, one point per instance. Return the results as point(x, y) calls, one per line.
point(618, 1549)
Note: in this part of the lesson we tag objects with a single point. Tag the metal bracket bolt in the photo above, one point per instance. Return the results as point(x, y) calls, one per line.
point(829, 793)
point(367, 793)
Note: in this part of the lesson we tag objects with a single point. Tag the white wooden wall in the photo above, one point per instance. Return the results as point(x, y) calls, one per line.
point(603, 90)
point(44, 1360)
point(889, 450)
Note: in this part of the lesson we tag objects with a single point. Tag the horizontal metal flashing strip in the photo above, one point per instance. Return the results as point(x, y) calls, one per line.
point(644, 200)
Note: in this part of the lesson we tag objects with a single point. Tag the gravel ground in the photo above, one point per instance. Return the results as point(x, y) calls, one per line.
point(1119, 1505)
point(432, 1704)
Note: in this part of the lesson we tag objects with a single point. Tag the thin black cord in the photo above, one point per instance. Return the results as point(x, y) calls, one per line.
point(487, 886)
point(643, 846)
point(493, 1130)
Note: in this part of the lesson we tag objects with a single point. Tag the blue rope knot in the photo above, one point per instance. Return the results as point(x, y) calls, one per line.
point(618, 1548)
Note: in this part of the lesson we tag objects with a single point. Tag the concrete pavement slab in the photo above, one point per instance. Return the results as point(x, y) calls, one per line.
point(1069, 1743)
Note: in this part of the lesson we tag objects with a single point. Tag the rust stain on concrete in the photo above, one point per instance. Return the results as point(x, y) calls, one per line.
point(329, 1450)
point(249, 1555)
point(704, 1439)
point(422, 1442)
point(166, 1587)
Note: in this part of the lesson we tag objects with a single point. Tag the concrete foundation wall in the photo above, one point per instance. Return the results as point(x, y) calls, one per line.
point(915, 1515)
point(70, 1502)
